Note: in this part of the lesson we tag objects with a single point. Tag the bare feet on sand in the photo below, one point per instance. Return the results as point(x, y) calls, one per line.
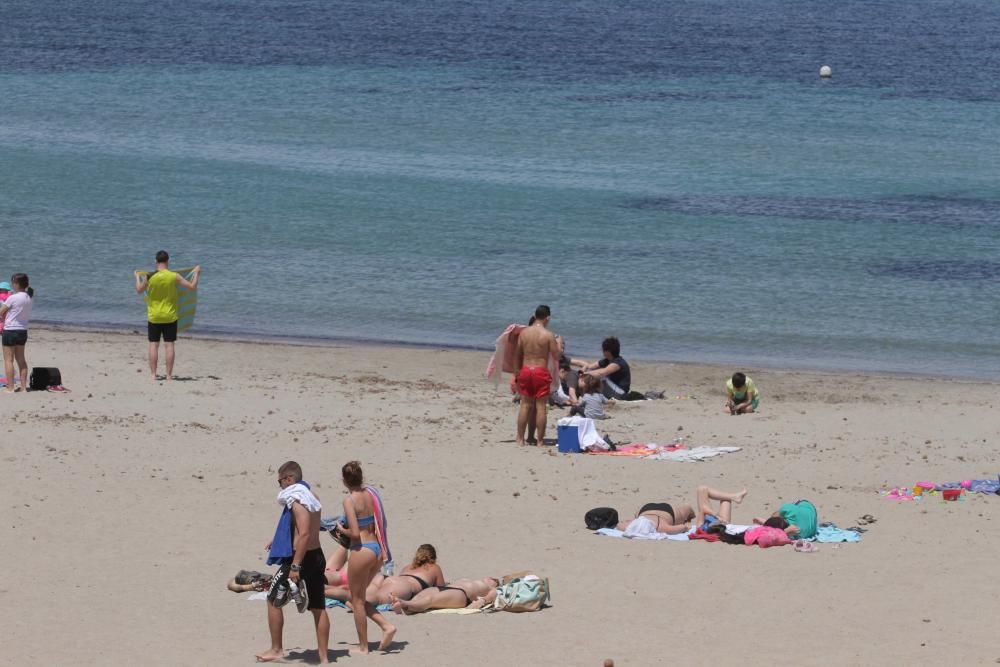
point(270, 655)
point(397, 605)
point(740, 496)
point(359, 650)
point(387, 637)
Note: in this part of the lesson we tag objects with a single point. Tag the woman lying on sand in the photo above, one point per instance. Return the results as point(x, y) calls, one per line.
point(419, 575)
point(798, 519)
point(459, 594)
point(664, 518)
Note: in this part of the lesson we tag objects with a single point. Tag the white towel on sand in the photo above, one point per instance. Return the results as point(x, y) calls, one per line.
point(641, 528)
point(586, 431)
point(689, 455)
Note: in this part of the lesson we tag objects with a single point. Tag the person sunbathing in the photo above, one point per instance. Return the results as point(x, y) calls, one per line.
point(798, 519)
point(420, 575)
point(459, 594)
point(665, 518)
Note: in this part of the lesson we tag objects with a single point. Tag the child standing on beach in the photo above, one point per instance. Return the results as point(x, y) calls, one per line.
point(592, 402)
point(743, 395)
point(15, 313)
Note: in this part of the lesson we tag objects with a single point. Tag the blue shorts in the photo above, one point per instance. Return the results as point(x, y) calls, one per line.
point(710, 520)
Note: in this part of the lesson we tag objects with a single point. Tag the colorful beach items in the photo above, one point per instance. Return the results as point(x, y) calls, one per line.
point(950, 491)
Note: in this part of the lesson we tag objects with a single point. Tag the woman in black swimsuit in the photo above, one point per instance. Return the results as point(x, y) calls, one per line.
point(458, 594)
point(675, 520)
point(419, 575)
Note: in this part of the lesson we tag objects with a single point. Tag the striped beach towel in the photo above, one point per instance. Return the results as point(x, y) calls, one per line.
point(381, 523)
point(187, 299)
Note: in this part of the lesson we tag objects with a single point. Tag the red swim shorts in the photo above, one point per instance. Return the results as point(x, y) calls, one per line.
point(534, 381)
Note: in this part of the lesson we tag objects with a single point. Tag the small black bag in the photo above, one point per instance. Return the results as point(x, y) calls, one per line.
point(601, 517)
point(43, 378)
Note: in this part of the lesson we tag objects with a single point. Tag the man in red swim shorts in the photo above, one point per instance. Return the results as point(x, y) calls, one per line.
point(535, 346)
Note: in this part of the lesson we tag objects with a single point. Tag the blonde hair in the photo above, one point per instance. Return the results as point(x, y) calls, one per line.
point(426, 555)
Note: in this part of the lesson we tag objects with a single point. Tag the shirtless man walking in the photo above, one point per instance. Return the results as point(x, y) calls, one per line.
point(535, 346)
point(296, 548)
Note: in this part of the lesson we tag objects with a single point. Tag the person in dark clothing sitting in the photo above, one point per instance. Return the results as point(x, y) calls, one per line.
point(614, 372)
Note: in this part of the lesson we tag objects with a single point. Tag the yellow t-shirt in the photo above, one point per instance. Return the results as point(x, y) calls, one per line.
point(161, 297)
point(748, 388)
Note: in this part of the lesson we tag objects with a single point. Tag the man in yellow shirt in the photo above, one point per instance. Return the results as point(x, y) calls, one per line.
point(160, 287)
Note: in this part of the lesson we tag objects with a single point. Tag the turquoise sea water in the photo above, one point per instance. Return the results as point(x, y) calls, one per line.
point(678, 176)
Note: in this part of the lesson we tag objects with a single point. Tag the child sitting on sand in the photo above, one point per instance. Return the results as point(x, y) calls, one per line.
point(744, 396)
point(591, 404)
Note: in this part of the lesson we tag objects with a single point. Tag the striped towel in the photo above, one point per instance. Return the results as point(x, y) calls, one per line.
point(187, 299)
point(187, 302)
point(381, 524)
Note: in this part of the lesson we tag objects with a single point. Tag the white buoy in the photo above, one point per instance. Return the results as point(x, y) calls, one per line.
point(825, 71)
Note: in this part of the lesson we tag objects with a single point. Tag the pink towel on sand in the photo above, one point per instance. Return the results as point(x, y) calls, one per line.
point(766, 536)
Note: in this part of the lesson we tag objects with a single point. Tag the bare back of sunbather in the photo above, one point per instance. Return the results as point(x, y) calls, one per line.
point(663, 521)
point(409, 583)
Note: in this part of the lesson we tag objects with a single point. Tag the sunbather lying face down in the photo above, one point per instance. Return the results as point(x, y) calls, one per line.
point(421, 573)
point(675, 520)
point(459, 594)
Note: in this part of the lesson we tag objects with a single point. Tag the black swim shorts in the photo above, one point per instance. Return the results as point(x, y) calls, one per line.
point(314, 577)
point(167, 331)
point(14, 338)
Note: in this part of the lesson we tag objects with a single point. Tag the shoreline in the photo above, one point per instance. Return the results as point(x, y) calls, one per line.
point(335, 342)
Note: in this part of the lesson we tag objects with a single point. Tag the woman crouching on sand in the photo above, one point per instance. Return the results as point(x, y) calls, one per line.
point(459, 594)
point(664, 518)
point(365, 557)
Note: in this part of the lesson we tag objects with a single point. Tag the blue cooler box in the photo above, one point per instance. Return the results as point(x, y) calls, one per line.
point(569, 439)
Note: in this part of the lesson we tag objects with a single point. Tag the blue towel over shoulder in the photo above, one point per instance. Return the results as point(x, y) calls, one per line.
point(281, 545)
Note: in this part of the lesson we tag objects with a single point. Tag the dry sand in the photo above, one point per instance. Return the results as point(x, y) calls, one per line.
point(128, 506)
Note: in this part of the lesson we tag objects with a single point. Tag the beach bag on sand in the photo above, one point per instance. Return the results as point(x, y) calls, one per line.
point(522, 591)
point(43, 378)
point(601, 517)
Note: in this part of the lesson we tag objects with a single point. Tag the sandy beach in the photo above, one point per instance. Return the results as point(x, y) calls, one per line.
point(129, 505)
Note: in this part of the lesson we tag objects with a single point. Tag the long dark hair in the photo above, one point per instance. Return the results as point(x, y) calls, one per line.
point(729, 538)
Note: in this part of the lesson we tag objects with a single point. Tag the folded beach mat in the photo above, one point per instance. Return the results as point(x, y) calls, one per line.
point(187, 299)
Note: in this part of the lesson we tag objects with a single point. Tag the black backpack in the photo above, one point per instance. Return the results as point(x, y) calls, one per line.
point(601, 517)
point(43, 378)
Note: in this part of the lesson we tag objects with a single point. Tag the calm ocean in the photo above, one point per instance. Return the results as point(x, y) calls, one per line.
point(673, 173)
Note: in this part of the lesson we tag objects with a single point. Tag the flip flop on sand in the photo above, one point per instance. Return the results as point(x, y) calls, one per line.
point(805, 547)
point(866, 519)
